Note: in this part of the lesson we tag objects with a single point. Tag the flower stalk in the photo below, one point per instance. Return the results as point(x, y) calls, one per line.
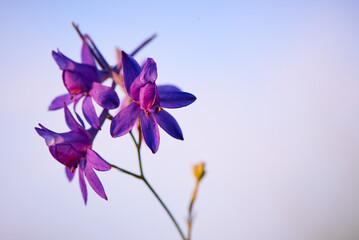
point(142, 107)
point(143, 178)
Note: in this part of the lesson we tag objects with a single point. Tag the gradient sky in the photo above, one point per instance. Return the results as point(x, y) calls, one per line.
point(276, 120)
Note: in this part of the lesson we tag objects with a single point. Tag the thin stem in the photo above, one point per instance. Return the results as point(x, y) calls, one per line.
point(125, 171)
point(194, 195)
point(139, 133)
point(190, 218)
point(139, 148)
point(150, 187)
point(143, 44)
point(101, 58)
point(165, 207)
point(97, 55)
point(134, 139)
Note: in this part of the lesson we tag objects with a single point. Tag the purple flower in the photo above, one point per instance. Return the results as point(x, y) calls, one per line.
point(73, 149)
point(84, 80)
point(148, 103)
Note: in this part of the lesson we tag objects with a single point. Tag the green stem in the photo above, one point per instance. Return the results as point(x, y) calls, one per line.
point(150, 187)
point(125, 171)
point(165, 207)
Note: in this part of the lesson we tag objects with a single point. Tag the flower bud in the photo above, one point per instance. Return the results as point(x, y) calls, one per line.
point(198, 171)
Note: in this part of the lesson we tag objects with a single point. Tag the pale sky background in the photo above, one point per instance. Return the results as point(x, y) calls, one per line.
point(276, 120)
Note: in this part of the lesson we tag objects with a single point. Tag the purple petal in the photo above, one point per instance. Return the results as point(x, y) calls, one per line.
point(148, 96)
point(90, 113)
point(63, 62)
point(135, 89)
point(70, 174)
point(149, 71)
point(65, 154)
point(169, 124)
point(95, 161)
point(131, 69)
point(80, 120)
point(82, 182)
point(47, 134)
point(167, 88)
point(123, 122)
point(105, 96)
point(80, 80)
point(70, 120)
point(103, 75)
point(86, 55)
point(74, 82)
point(94, 181)
point(76, 100)
point(150, 131)
point(175, 99)
point(87, 72)
point(59, 101)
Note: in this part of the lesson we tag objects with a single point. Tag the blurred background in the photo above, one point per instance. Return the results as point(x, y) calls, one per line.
point(276, 120)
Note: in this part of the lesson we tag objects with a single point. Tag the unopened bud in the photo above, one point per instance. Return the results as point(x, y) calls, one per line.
point(198, 171)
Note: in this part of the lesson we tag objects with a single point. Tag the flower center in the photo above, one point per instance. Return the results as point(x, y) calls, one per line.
point(158, 109)
point(147, 113)
point(72, 169)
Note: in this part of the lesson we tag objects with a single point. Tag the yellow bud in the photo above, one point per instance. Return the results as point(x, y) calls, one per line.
point(198, 171)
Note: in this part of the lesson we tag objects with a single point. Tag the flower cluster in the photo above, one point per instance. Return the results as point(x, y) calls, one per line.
point(144, 107)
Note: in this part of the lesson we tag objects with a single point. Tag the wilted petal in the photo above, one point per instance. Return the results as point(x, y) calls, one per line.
point(82, 183)
point(147, 96)
point(150, 131)
point(169, 124)
point(123, 122)
point(70, 120)
point(119, 58)
point(90, 113)
point(59, 101)
point(95, 161)
point(86, 55)
point(149, 71)
point(70, 174)
point(131, 69)
point(105, 96)
point(175, 99)
point(94, 181)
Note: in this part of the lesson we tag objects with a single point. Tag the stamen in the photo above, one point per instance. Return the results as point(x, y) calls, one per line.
point(86, 94)
point(147, 113)
point(72, 97)
point(158, 109)
point(72, 169)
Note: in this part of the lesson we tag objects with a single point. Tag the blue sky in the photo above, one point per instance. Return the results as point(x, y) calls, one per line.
point(276, 120)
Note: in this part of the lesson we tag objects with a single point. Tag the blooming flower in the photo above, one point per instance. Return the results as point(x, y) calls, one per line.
point(148, 103)
point(73, 149)
point(84, 80)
